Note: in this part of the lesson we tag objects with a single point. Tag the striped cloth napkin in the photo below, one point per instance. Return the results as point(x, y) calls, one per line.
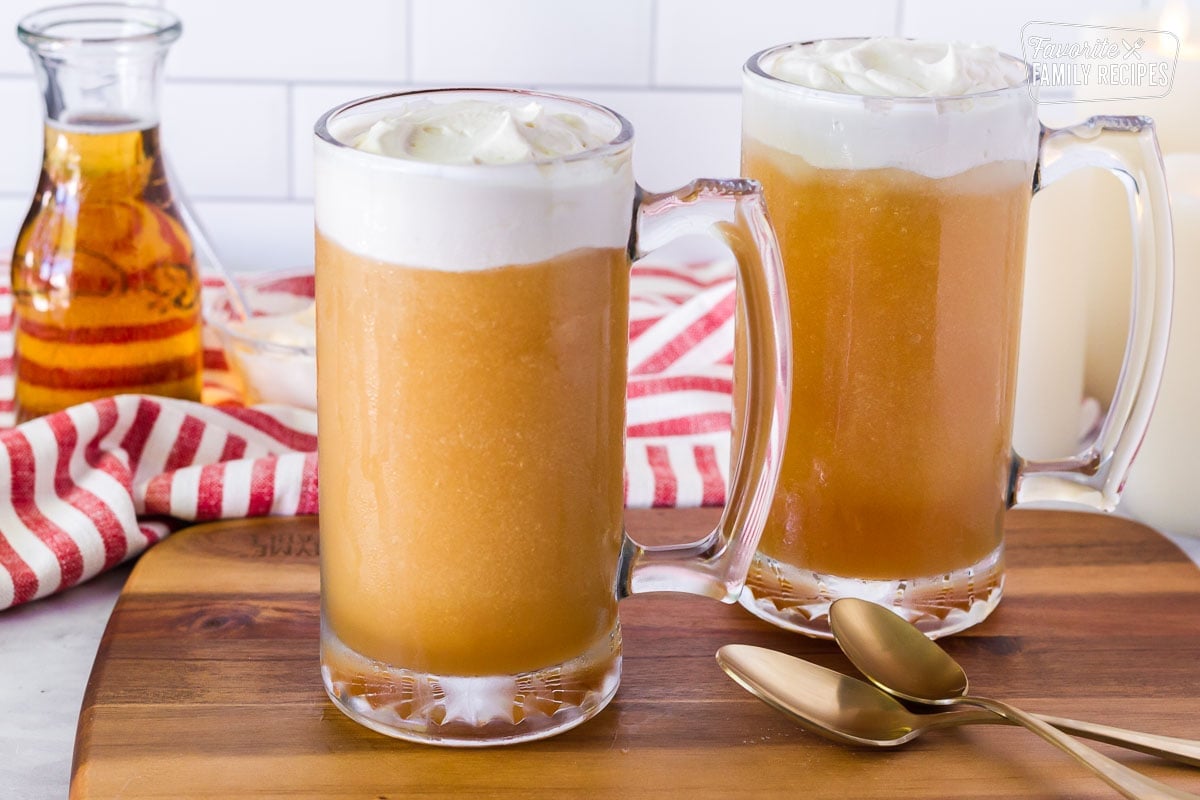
point(88, 488)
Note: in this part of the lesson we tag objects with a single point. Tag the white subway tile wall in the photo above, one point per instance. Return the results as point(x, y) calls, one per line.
point(678, 135)
point(21, 138)
point(308, 104)
point(245, 131)
point(249, 77)
point(525, 42)
point(281, 40)
point(704, 43)
point(14, 58)
point(999, 23)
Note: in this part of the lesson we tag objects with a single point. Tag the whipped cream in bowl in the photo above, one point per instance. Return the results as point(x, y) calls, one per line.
point(272, 354)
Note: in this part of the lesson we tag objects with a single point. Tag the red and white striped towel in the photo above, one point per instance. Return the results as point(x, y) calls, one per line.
point(90, 487)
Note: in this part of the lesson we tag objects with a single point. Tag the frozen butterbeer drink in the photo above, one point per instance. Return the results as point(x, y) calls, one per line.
point(473, 252)
point(897, 175)
point(471, 330)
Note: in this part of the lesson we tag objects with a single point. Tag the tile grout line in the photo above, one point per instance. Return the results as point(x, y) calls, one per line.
point(252, 201)
point(409, 41)
point(198, 198)
point(652, 77)
point(289, 126)
point(899, 21)
point(640, 88)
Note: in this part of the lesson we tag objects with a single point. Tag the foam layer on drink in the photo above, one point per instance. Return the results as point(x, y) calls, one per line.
point(891, 67)
point(467, 181)
point(479, 132)
point(931, 108)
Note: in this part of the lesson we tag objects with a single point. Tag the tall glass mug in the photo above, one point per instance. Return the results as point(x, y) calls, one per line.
point(902, 223)
point(473, 253)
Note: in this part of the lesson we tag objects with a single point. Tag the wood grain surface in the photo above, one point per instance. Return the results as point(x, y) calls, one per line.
point(206, 685)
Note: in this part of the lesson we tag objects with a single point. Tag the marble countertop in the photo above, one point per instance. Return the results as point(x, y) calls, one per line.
point(46, 653)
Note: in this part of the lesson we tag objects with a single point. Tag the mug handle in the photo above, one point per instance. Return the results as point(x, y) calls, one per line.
point(1128, 148)
point(733, 211)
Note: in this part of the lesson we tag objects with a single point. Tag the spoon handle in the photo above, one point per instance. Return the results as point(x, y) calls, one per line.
point(1128, 782)
point(1185, 751)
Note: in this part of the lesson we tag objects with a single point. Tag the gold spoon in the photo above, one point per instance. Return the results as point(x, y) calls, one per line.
point(849, 711)
point(836, 706)
point(899, 659)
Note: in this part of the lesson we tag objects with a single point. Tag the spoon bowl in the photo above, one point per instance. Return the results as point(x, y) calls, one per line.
point(894, 655)
point(853, 712)
point(836, 706)
point(899, 659)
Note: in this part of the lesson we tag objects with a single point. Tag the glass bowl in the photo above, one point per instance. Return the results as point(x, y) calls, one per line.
point(273, 354)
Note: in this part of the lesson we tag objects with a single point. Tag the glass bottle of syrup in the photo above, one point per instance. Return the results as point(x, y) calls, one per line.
point(106, 290)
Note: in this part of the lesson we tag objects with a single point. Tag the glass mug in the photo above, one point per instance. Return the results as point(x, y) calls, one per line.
point(471, 351)
point(902, 224)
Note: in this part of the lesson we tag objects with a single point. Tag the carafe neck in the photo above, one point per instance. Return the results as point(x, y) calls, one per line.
point(99, 66)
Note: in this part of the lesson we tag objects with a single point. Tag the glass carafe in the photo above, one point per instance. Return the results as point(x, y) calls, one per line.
point(107, 295)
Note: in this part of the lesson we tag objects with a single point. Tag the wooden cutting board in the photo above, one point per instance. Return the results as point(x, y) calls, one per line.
point(206, 685)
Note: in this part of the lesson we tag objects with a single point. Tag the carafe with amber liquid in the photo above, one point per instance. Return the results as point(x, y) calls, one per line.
point(106, 290)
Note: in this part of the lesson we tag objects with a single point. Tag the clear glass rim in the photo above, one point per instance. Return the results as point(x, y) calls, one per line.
point(753, 68)
point(622, 141)
point(37, 29)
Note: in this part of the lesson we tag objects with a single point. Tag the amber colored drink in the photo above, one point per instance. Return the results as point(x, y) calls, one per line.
point(905, 295)
point(472, 429)
point(106, 290)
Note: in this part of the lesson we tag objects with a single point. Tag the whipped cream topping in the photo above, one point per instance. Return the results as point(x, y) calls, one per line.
point(925, 107)
point(468, 180)
point(479, 132)
point(892, 67)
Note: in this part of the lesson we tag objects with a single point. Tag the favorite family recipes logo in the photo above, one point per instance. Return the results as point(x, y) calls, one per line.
point(1078, 63)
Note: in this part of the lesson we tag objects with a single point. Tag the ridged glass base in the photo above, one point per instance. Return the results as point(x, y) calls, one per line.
point(939, 605)
point(470, 711)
